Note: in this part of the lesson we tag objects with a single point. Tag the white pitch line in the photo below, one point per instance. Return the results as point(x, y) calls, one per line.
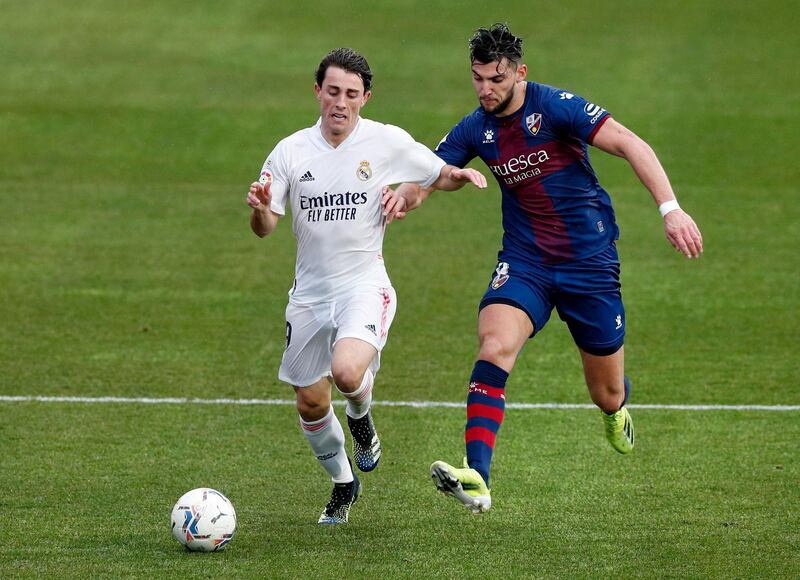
point(415, 404)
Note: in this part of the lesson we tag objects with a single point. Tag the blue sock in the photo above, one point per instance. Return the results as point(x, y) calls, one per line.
point(486, 403)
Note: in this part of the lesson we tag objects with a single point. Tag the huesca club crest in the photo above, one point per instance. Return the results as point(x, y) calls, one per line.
point(534, 123)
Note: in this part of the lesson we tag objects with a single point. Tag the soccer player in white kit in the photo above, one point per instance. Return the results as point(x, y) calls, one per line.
point(341, 305)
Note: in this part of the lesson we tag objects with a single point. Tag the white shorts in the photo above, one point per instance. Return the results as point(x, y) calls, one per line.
point(312, 330)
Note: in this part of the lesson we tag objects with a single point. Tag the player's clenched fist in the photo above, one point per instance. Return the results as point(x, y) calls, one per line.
point(258, 195)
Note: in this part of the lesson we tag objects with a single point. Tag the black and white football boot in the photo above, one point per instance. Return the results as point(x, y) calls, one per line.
point(343, 496)
point(366, 445)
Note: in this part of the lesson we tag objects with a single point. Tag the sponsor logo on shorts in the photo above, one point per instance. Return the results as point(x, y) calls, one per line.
point(371, 328)
point(619, 321)
point(500, 276)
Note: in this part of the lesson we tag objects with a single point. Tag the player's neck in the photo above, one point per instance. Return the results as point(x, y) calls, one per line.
point(335, 139)
point(517, 102)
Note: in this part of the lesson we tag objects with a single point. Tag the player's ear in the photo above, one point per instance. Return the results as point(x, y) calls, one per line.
point(317, 90)
point(522, 72)
point(366, 98)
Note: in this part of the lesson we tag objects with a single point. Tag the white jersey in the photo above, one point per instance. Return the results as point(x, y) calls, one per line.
point(335, 197)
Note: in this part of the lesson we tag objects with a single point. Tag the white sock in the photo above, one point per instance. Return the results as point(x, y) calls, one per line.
point(327, 441)
point(359, 401)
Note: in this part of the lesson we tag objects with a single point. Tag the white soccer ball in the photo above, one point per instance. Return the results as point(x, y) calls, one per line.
point(203, 520)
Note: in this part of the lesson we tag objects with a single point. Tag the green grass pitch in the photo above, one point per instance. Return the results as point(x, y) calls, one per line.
point(129, 132)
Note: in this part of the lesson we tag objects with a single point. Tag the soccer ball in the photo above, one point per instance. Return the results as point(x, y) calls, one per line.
point(203, 520)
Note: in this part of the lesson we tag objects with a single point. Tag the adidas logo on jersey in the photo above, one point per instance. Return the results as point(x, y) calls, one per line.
point(307, 177)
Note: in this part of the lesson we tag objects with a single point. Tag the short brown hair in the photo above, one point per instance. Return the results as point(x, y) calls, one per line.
point(349, 60)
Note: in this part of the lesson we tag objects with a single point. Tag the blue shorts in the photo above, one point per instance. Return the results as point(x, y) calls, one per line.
point(586, 294)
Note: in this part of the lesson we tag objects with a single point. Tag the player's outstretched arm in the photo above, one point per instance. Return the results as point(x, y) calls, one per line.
point(262, 220)
point(679, 227)
point(408, 196)
point(452, 178)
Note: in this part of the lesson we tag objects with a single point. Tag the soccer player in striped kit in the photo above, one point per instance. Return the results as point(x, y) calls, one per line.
point(558, 245)
point(342, 303)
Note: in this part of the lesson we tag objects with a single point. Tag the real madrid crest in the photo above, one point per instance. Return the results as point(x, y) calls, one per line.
point(364, 171)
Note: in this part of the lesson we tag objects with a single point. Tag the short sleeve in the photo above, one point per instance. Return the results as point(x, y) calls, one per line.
point(455, 148)
point(274, 171)
point(412, 162)
point(573, 115)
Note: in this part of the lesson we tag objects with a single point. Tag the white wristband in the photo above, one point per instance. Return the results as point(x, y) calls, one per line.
point(668, 206)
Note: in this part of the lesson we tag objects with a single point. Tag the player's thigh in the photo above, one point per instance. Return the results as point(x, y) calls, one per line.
point(503, 330)
point(604, 372)
point(351, 358)
point(309, 335)
point(526, 288)
point(589, 300)
point(595, 321)
point(366, 315)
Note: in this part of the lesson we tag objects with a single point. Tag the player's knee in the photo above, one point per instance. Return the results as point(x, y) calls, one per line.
point(495, 350)
point(310, 407)
point(347, 376)
point(607, 395)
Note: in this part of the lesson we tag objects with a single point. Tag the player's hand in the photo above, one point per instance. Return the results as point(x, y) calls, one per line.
point(259, 195)
point(683, 233)
point(394, 205)
point(468, 174)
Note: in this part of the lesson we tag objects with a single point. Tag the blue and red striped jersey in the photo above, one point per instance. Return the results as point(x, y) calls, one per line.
point(554, 209)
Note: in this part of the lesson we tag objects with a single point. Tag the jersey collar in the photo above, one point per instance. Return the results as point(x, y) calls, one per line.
point(320, 141)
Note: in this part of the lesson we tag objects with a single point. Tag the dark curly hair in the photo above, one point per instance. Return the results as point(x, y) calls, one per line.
point(349, 60)
point(492, 44)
